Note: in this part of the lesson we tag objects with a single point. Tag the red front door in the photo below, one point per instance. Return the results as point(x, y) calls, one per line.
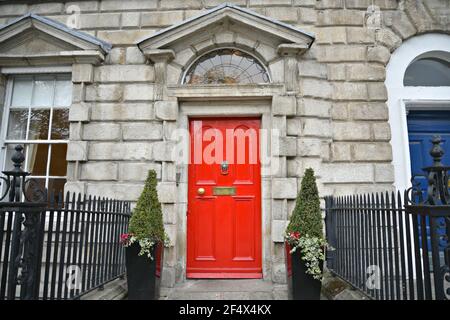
point(224, 199)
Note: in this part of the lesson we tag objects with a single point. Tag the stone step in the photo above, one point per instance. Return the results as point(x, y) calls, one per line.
point(231, 295)
point(245, 289)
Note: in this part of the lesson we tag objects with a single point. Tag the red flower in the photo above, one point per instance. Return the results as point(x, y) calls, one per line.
point(125, 238)
point(295, 235)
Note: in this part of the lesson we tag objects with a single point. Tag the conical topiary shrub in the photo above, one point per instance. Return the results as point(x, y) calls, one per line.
point(146, 223)
point(307, 217)
point(145, 253)
point(305, 230)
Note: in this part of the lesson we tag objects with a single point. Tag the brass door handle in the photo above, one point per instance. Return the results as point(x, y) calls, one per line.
point(201, 191)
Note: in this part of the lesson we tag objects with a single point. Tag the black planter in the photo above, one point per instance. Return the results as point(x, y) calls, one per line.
point(301, 285)
point(143, 273)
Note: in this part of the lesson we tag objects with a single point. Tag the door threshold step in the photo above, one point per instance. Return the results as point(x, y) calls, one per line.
point(225, 289)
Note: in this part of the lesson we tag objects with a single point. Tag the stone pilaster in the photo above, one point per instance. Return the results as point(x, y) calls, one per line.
point(166, 111)
point(290, 53)
point(160, 58)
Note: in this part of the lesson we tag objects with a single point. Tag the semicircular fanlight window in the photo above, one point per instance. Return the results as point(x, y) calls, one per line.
point(428, 72)
point(226, 66)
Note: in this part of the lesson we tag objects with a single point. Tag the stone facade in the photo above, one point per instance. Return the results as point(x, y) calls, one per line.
point(330, 111)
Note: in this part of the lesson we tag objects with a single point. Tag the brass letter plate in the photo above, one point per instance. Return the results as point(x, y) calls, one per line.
point(224, 191)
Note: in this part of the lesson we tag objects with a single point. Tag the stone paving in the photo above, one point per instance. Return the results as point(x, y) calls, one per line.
point(246, 289)
point(334, 288)
point(114, 290)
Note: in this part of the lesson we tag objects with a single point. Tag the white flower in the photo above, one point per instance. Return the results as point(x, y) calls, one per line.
point(146, 246)
point(312, 252)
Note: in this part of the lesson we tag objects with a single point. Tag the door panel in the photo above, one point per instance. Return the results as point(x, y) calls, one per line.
point(224, 223)
point(205, 226)
point(422, 126)
point(244, 237)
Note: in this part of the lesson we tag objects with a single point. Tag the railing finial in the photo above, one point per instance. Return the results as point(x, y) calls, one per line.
point(16, 183)
point(18, 158)
point(437, 152)
point(438, 178)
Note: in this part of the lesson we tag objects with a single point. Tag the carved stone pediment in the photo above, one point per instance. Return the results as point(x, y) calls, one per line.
point(274, 43)
point(35, 40)
point(230, 18)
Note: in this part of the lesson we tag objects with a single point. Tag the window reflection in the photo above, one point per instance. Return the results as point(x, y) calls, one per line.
point(43, 92)
point(21, 95)
point(17, 124)
point(60, 124)
point(39, 121)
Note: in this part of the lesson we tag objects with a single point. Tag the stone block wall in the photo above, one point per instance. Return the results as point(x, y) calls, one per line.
point(335, 120)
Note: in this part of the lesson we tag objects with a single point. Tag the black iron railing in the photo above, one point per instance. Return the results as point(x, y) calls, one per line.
point(394, 245)
point(56, 247)
point(368, 243)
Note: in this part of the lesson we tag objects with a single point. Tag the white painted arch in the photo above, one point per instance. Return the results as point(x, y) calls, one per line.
point(401, 98)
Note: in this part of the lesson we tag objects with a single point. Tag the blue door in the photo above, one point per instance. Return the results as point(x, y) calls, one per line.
point(422, 126)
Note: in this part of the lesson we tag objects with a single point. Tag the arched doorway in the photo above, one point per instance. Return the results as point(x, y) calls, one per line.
point(418, 84)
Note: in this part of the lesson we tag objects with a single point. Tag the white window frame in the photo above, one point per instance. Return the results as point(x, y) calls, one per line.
point(11, 72)
point(401, 99)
